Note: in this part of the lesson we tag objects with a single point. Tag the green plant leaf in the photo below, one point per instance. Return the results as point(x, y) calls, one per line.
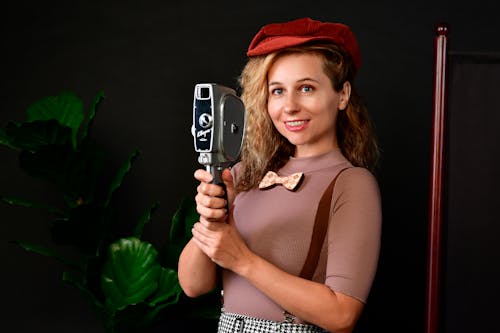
point(136, 318)
point(66, 108)
point(74, 172)
point(92, 112)
point(122, 172)
point(5, 140)
point(130, 274)
point(15, 201)
point(48, 252)
point(145, 218)
point(170, 255)
point(180, 231)
point(169, 289)
point(32, 135)
point(183, 220)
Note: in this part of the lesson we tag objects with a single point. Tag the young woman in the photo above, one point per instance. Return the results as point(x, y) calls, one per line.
point(304, 120)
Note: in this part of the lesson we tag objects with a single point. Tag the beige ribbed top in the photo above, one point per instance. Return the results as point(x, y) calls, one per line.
point(277, 225)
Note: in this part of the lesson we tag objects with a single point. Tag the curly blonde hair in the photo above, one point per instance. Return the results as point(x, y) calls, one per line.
point(266, 149)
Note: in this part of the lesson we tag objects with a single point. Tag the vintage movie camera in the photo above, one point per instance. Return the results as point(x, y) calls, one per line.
point(218, 127)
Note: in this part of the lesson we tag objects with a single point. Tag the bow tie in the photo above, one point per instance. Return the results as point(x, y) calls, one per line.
point(290, 182)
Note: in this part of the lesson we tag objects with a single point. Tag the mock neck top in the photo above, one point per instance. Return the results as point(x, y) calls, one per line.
point(314, 163)
point(277, 225)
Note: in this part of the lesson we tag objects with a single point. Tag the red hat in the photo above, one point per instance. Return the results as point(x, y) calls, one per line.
point(276, 36)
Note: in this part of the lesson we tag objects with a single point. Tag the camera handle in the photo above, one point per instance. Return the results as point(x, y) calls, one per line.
point(216, 172)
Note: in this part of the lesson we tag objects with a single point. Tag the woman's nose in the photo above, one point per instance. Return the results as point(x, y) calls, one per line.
point(291, 104)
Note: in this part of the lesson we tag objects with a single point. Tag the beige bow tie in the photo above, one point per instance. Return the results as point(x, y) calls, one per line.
point(290, 182)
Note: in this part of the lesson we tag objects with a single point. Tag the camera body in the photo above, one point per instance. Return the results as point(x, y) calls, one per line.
point(218, 127)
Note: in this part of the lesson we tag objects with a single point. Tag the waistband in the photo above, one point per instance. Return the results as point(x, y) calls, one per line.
point(237, 323)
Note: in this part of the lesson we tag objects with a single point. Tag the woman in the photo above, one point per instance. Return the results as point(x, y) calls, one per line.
point(304, 120)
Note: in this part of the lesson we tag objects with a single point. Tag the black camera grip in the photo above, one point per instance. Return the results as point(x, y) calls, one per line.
point(218, 181)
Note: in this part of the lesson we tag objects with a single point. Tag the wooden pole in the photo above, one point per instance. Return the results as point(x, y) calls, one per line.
point(436, 181)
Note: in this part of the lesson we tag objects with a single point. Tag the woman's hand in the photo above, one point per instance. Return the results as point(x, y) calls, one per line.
point(222, 243)
point(211, 201)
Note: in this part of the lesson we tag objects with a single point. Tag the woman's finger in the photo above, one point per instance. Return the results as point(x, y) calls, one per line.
point(211, 214)
point(203, 176)
point(210, 202)
point(209, 189)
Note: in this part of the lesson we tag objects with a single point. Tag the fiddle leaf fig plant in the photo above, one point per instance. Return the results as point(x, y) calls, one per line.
point(126, 279)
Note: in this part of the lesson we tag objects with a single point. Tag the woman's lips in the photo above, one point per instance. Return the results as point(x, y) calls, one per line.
point(296, 125)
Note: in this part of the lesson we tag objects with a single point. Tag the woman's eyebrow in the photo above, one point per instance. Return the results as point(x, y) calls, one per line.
point(298, 81)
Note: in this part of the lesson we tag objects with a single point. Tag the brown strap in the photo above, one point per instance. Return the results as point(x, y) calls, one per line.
point(319, 231)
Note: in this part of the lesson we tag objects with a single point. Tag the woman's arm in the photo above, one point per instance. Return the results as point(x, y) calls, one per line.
point(308, 300)
point(196, 271)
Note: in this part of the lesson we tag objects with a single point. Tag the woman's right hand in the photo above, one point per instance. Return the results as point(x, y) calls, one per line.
point(211, 201)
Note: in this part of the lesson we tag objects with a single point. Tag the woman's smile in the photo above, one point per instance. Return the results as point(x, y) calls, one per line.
point(296, 125)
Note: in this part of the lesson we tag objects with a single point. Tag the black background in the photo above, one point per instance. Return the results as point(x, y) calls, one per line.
point(147, 56)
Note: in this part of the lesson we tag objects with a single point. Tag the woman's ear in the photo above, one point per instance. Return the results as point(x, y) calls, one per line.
point(345, 94)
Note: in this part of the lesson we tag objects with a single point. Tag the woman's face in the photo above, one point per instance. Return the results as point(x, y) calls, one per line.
point(303, 104)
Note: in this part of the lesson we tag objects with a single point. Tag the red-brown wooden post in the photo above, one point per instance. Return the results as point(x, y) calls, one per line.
point(436, 181)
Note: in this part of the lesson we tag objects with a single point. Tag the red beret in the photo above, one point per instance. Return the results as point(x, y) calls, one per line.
point(276, 36)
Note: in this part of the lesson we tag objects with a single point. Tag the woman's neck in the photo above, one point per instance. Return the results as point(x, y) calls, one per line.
point(303, 151)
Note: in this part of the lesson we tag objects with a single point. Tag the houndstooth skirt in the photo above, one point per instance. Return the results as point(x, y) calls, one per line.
point(236, 323)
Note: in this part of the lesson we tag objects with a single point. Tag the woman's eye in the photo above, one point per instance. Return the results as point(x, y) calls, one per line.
point(277, 91)
point(306, 89)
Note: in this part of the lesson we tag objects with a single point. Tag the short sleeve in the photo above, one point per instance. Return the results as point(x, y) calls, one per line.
point(354, 234)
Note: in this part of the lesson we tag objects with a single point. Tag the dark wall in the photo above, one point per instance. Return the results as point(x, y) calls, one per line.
point(146, 56)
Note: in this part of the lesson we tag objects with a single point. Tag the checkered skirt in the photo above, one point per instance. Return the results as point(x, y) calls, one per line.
point(236, 323)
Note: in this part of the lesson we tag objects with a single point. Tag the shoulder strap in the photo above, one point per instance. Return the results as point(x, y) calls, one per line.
point(319, 230)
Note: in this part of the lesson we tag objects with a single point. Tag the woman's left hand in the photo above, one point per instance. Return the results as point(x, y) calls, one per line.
point(222, 243)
